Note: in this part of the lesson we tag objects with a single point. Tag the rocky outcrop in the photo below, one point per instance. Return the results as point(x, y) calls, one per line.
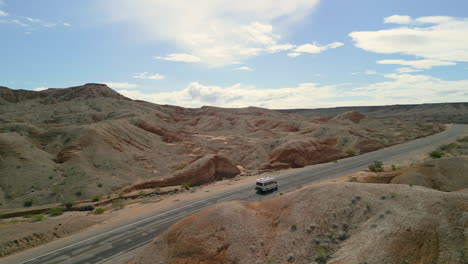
point(300, 153)
point(207, 169)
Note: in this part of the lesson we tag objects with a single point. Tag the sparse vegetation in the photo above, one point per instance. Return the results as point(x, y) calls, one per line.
point(99, 210)
point(78, 193)
point(37, 218)
point(353, 179)
point(68, 205)
point(351, 152)
point(436, 154)
point(321, 255)
point(28, 202)
point(86, 208)
point(99, 185)
point(142, 193)
point(55, 212)
point(186, 185)
point(394, 168)
point(118, 204)
point(377, 166)
point(96, 198)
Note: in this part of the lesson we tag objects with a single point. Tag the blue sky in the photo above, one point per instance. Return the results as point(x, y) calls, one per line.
point(290, 54)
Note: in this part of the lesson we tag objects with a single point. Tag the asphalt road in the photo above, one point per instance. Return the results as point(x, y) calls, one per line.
point(111, 243)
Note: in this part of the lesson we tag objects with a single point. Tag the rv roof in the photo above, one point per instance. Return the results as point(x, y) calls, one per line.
point(267, 179)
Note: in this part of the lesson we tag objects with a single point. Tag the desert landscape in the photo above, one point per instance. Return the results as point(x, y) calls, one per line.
point(415, 214)
point(234, 132)
point(78, 143)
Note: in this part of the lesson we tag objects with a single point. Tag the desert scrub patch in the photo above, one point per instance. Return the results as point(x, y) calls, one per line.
point(351, 152)
point(118, 204)
point(68, 204)
point(99, 210)
point(28, 202)
point(37, 218)
point(96, 198)
point(186, 185)
point(353, 179)
point(86, 208)
point(436, 154)
point(55, 212)
point(142, 193)
point(377, 166)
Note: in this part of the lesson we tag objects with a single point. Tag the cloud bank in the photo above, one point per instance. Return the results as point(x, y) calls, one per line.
point(216, 33)
point(397, 89)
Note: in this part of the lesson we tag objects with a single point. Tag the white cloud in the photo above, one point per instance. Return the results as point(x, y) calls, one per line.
point(33, 20)
point(397, 19)
point(180, 57)
point(67, 24)
point(418, 64)
point(446, 40)
point(397, 89)
point(406, 70)
point(370, 72)
point(146, 75)
point(243, 68)
point(411, 89)
point(316, 48)
point(37, 89)
point(3, 13)
point(293, 54)
point(125, 85)
point(218, 32)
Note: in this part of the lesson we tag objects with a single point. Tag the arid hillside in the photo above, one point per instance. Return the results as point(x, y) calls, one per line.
point(443, 112)
point(72, 144)
point(332, 223)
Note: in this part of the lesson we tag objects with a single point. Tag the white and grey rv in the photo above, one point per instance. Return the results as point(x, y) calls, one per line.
point(266, 184)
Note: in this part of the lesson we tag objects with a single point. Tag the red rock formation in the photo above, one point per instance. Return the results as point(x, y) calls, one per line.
point(301, 153)
point(207, 169)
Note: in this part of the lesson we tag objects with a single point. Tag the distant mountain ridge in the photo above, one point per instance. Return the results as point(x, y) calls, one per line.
point(437, 112)
point(50, 95)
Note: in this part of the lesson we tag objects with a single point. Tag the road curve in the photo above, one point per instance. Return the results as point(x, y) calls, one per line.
point(101, 247)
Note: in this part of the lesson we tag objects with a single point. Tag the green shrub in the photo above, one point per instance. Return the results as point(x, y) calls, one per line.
point(465, 139)
point(394, 168)
point(86, 208)
point(377, 166)
point(55, 212)
point(37, 218)
point(96, 198)
point(186, 185)
point(436, 154)
point(142, 193)
point(99, 185)
point(68, 205)
point(350, 152)
point(353, 179)
point(99, 210)
point(78, 193)
point(28, 202)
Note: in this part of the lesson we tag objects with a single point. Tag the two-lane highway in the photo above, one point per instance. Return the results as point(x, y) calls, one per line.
point(101, 247)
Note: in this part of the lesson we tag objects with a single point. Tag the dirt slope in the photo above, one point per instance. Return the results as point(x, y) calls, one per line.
point(448, 174)
point(328, 223)
point(79, 142)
